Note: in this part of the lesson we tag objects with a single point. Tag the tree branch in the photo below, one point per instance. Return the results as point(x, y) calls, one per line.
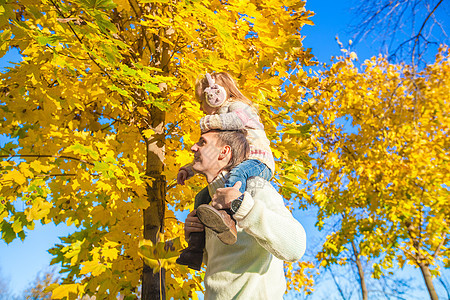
point(423, 25)
point(46, 156)
point(341, 292)
point(81, 42)
point(61, 174)
point(438, 249)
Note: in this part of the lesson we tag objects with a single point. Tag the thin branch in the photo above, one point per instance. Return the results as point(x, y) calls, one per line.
point(341, 292)
point(61, 174)
point(438, 249)
point(445, 287)
point(171, 186)
point(144, 30)
point(423, 25)
point(9, 152)
point(172, 128)
point(46, 156)
point(81, 41)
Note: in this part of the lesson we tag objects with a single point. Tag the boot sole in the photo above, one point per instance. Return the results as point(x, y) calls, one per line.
point(190, 265)
point(214, 221)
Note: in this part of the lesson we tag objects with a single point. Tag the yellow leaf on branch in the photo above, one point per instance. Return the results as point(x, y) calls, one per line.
point(14, 176)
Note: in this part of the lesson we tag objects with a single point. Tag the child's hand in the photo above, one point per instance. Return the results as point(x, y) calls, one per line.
point(182, 176)
point(223, 196)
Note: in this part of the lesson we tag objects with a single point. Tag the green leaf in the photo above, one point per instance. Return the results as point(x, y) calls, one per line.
point(104, 168)
point(161, 105)
point(83, 150)
point(48, 40)
point(104, 24)
point(98, 4)
point(152, 88)
point(34, 11)
point(119, 90)
point(8, 234)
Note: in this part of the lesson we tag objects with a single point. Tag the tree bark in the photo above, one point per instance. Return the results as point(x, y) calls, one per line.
point(359, 265)
point(428, 280)
point(153, 284)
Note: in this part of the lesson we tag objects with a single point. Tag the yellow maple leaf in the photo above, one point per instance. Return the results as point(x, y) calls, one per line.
point(148, 133)
point(94, 267)
point(16, 176)
point(64, 290)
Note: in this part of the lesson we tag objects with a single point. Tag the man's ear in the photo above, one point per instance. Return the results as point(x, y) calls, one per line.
point(225, 152)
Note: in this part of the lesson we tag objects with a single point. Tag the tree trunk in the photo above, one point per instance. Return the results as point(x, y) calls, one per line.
point(362, 281)
point(428, 280)
point(153, 285)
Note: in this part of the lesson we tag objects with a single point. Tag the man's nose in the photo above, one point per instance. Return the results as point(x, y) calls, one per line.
point(194, 148)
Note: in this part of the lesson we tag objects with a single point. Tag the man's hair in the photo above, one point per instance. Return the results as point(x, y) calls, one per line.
point(237, 140)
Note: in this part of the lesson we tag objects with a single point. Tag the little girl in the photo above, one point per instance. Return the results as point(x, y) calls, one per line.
point(228, 109)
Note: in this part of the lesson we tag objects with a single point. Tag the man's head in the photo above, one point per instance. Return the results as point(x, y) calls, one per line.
point(218, 151)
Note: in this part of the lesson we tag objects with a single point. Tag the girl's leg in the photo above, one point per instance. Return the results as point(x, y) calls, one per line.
point(245, 170)
point(222, 221)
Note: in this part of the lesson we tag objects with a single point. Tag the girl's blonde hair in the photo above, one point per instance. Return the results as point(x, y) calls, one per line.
point(227, 82)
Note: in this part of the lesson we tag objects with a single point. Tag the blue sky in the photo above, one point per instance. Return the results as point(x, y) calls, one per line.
point(21, 261)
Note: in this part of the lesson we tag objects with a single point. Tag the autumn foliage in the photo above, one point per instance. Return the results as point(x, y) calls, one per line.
point(381, 148)
point(100, 114)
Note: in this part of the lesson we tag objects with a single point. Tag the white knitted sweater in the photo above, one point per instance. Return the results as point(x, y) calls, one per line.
point(268, 234)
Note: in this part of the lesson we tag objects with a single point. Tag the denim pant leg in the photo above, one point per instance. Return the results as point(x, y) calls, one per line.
point(245, 170)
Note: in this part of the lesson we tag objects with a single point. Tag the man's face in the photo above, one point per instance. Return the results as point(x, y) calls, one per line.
point(206, 155)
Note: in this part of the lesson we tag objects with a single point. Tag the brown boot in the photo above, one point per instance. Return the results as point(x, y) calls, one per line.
point(192, 256)
point(219, 221)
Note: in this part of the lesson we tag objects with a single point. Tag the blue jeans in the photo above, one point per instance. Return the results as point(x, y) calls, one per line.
point(246, 169)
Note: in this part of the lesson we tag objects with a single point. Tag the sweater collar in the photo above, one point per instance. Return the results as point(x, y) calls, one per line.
point(218, 182)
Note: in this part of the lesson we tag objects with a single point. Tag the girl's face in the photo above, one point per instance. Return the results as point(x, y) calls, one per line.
point(208, 109)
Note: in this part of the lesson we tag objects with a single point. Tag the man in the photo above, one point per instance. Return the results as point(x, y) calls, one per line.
point(267, 233)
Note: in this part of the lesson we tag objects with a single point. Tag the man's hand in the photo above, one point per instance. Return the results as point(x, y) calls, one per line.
point(192, 224)
point(182, 176)
point(223, 197)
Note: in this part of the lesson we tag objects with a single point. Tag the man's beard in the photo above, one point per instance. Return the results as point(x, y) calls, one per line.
point(197, 160)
